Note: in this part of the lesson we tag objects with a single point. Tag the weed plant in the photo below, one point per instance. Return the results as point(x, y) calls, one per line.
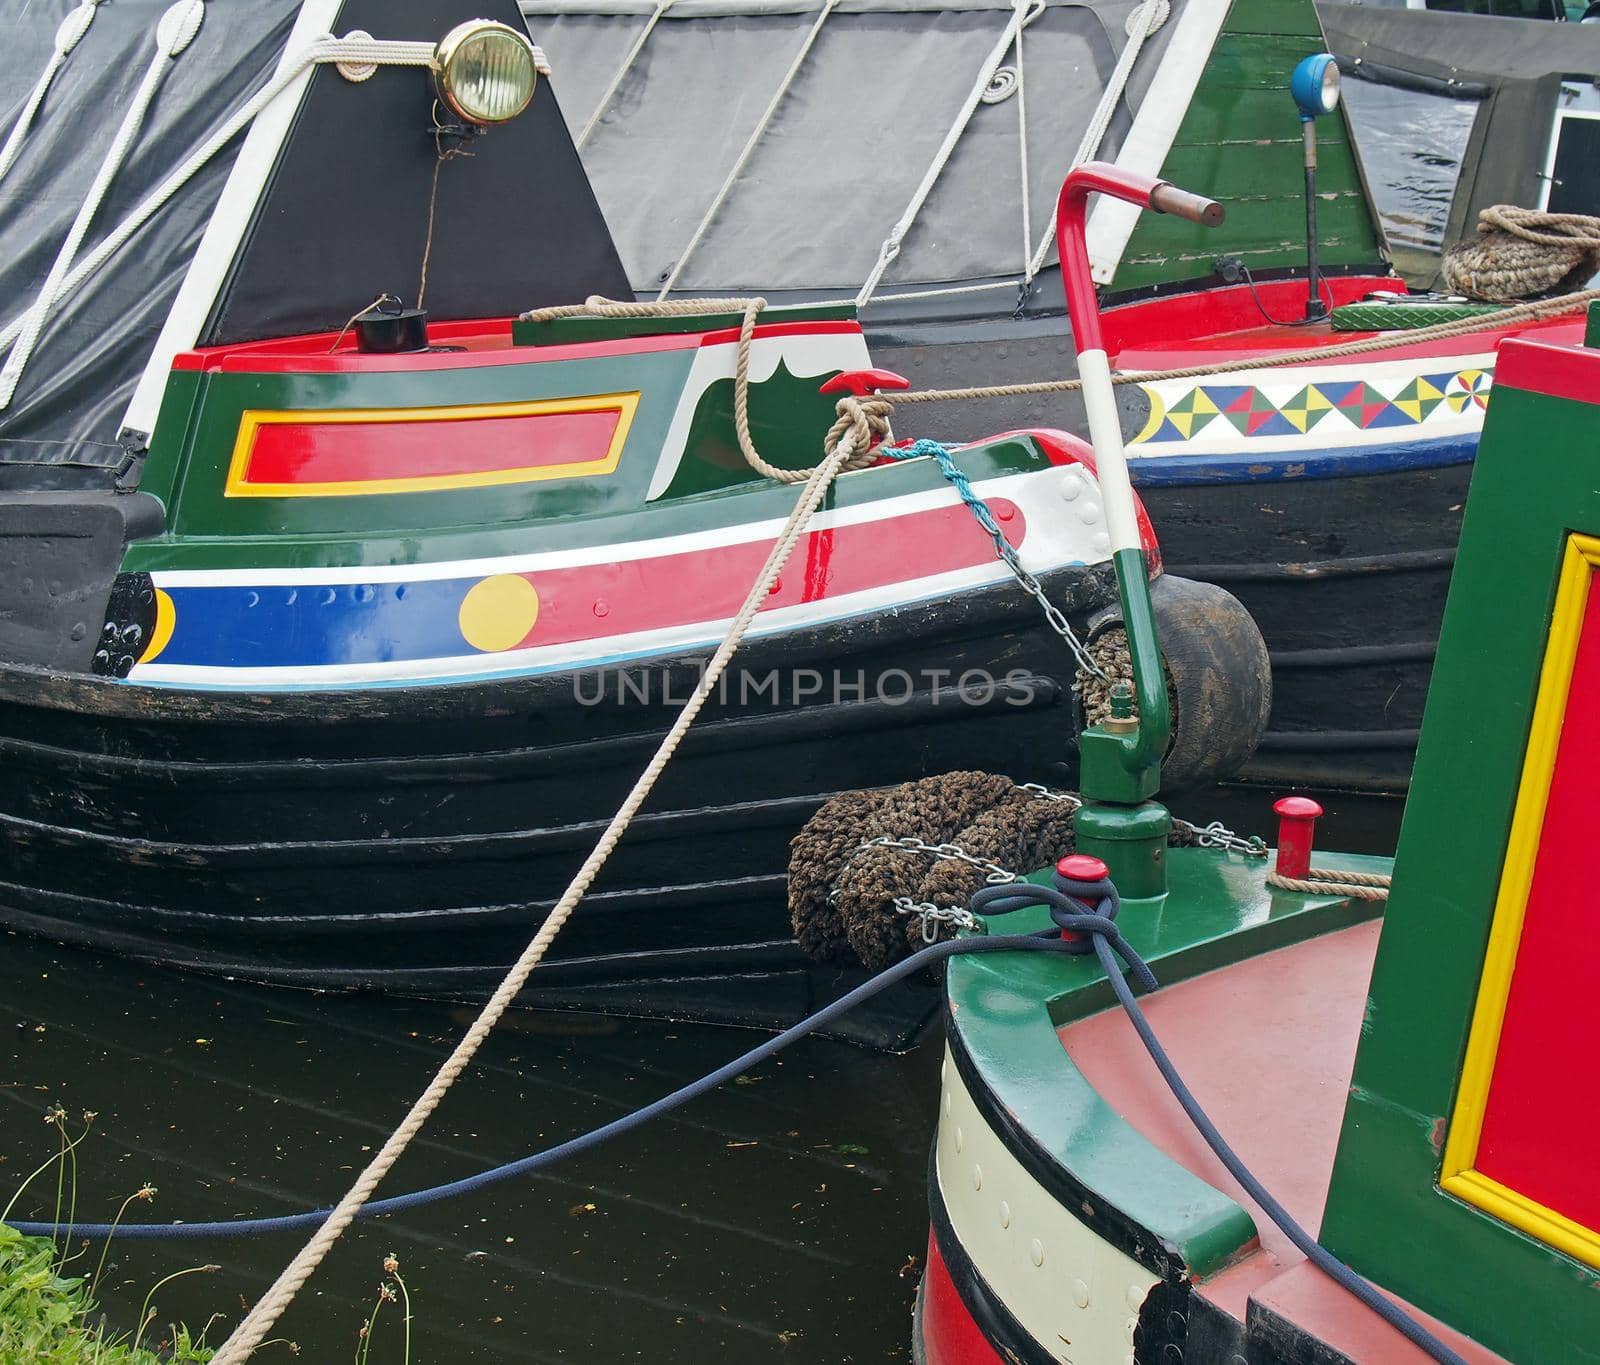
point(48, 1316)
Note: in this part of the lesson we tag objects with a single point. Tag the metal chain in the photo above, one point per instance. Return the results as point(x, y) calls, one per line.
point(1045, 793)
point(1002, 547)
point(1218, 835)
point(932, 916)
point(1214, 835)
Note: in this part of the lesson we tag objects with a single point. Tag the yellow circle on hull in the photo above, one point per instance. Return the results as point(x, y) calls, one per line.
point(498, 613)
point(161, 632)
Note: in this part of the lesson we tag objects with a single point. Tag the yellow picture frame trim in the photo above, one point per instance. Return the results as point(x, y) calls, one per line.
point(252, 420)
point(1458, 1174)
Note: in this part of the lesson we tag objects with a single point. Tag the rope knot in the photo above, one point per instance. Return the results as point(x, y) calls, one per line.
point(866, 420)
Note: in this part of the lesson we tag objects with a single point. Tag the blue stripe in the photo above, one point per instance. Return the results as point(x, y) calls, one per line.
point(1337, 462)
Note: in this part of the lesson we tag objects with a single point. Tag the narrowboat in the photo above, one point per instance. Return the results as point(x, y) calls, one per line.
point(332, 631)
point(1396, 1088)
point(1326, 494)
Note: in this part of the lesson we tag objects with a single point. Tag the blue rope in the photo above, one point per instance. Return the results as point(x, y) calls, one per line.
point(1067, 911)
point(960, 482)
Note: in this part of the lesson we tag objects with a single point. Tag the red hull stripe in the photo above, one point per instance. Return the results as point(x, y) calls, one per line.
point(306, 624)
point(647, 594)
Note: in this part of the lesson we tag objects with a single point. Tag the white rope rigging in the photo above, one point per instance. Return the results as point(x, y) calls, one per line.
point(174, 33)
point(1021, 7)
point(621, 75)
point(1020, 18)
point(255, 1325)
point(1144, 21)
point(750, 146)
point(354, 49)
point(68, 35)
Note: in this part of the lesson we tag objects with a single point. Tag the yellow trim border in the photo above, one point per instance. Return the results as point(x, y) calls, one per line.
point(253, 419)
point(1458, 1175)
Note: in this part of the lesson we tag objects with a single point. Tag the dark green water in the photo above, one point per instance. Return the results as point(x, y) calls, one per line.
point(774, 1220)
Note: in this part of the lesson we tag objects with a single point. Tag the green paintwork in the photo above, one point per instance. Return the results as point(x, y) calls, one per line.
point(1007, 1010)
point(199, 419)
point(1591, 330)
point(568, 331)
point(1130, 840)
point(786, 415)
point(1385, 1213)
point(1239, 143)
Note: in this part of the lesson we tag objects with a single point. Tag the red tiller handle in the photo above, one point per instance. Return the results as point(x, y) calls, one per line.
point(1100, 177)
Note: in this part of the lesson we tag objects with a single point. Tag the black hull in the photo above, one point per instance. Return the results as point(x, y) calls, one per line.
point(412, 839)
point(1347, 579)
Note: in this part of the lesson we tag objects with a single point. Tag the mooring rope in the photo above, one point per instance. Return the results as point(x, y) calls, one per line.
point(1335, 881)
point(873, 410)
point(868, 419)
point(253, 1329)
point(1085, 910)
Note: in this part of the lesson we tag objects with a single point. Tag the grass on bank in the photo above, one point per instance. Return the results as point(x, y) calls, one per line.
point(47, 1317)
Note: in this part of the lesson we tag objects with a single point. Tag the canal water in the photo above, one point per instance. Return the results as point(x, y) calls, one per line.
point(780, 1218)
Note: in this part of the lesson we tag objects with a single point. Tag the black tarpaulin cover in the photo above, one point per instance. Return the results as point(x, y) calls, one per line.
point(343, 217)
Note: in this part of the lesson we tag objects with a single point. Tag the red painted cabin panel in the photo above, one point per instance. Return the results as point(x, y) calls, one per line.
point(314, 452)
point(1544, 1109)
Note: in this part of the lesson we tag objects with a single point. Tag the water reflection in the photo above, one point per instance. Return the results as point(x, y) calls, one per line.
point(1411, 145)
point(775, 1219)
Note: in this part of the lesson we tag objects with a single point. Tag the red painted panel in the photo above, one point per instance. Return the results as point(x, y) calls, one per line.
point(358, 452)
point(949, 1335)
point(1560, 371)
point(1544, 1107)
point(601, 600)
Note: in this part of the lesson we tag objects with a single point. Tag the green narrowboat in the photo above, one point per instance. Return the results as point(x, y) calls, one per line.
point(1408, 1080)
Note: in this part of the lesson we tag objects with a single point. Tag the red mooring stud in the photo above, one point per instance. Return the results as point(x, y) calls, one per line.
point(1297, 823)
point(1080, 867)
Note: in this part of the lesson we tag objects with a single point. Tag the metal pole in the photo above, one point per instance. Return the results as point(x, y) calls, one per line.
point(1316, 309)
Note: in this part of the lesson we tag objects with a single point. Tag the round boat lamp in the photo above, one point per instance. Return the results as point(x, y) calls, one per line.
point(485, 72)
point(1315, 86)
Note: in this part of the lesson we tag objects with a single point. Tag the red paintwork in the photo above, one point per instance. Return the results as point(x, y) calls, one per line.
point(1559, 371)
point(707, 585)
point(949, 1335)
point(863, 382)
point(1080, 867)
point(1224, 309)
point(1093, 177)
point(1174, 349)
point(486, 342)
point(1325, 1311)
point(359, 452)
point(1297, 824)
point(1543, 1112)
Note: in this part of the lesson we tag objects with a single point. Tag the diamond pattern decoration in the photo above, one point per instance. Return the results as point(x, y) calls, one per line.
point(1250, 412)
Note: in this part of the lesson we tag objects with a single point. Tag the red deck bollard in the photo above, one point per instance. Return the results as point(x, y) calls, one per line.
point(1079, 867)
point(1297, 822)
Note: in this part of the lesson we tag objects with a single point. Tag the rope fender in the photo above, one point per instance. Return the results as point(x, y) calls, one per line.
point(1520, 252)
